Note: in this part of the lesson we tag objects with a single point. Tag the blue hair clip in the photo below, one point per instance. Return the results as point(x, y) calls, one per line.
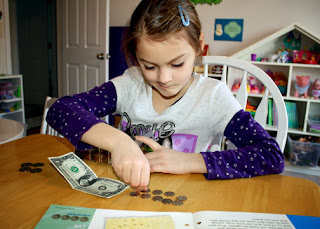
point(184, 16)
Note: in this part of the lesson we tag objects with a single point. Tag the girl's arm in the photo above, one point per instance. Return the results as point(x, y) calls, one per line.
point(77, 118)
point(257, 154)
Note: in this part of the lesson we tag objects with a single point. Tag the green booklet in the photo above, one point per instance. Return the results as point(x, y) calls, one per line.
point(65, 217)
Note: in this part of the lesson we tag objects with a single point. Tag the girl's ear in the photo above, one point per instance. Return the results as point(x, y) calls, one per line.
point(202, 42)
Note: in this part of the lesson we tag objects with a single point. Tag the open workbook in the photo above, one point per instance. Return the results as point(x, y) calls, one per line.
point(59, 216)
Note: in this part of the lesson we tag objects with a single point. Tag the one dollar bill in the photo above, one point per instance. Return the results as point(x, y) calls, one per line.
point(82, 178)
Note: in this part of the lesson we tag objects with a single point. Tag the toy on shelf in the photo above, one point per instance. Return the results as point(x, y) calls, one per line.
point(306, 57)
point(236, 86)
point(251, 109)
point(280, 80)
point(292, 43)
point(251, 86)
point(302, 85)
point(316, 89)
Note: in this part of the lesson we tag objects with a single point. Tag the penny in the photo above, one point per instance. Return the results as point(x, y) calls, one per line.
point(38, 164)
point(169, 193)
point(65, 217)
point(148, 190)
point(157, 198)
point(74, 218)
point(157, 192)
point(145, 196)
point(36, 170)
point(24, 169)
point(26, 164)
point(177, 202)
point(182, 198)
point(84, 219)
point(167, 201)
point(55, 216)
point(136, 193)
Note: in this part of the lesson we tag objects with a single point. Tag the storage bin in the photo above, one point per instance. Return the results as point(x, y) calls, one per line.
point(7, 107)
point(314, 126)
point(303, 153)
point(7, 90)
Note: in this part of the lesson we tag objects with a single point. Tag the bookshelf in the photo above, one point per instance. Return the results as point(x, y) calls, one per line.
point(13, 108)
point(307, 108)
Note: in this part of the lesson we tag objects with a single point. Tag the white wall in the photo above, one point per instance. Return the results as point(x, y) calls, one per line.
point(5, 52)
point(261, 18)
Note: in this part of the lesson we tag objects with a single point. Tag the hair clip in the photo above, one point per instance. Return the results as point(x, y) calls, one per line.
point(184, 16)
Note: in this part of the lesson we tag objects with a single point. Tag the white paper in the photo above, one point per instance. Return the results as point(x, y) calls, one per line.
point(235, 220)
point(181, 220)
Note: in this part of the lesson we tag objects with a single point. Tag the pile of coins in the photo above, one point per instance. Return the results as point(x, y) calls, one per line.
point(72, 218)
point(31, 167)
point(158, 196)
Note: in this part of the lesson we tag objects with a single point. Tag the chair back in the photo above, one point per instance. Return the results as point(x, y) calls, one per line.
point(232, 65)
point(45, 127)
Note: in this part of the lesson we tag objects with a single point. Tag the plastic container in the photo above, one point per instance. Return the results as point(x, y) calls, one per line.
point(303, 153)
point(314, 126)
point(7, 107)
point(7, 90)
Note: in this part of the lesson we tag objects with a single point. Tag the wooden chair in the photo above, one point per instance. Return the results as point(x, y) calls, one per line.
point(45, 127)
point(234, 66)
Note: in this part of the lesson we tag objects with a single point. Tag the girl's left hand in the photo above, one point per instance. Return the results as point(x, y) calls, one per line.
point(167, 160)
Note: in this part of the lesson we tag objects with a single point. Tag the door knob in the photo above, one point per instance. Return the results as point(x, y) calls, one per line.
point(100, 56)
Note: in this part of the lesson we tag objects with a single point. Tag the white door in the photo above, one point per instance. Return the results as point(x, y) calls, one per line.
point(83, 29)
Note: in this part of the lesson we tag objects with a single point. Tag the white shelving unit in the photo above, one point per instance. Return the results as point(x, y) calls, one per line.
point(19, 113)
point(306, 107)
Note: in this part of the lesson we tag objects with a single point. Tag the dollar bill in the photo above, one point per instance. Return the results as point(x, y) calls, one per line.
point(82, 178)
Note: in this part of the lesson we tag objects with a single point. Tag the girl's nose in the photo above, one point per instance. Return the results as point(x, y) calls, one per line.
point(165, 76)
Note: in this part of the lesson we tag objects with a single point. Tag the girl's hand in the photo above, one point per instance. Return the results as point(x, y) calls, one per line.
point(130, 163)
point(167, 160)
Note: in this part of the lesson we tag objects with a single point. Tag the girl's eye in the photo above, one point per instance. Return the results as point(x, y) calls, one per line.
point(178, 65)
point(149, 68)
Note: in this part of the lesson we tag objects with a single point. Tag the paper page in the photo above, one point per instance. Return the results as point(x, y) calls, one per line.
point(181, 220)
point(235, 220)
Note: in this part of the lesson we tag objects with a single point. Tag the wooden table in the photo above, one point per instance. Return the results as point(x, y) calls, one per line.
point(25, 197)
point(10, 130)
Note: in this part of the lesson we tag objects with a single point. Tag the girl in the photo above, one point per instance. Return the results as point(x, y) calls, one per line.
point(161, 97)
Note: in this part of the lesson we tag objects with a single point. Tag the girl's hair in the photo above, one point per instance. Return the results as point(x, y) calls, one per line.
point(159, 19)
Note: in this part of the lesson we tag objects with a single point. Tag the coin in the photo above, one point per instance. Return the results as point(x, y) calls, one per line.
point(39, 164)
point(182, 198)
point(24, 169)
point(177, 202)
point(56, 216)
point(65, 217)
point(148, 190)
point(36, 170)
point(84, 219)
point(74, 218)
point(145, 196)
point(136, 193)
point(157, 198)
point(157, 192)
point(26, 164)
point(167, 201)
point(169, 193)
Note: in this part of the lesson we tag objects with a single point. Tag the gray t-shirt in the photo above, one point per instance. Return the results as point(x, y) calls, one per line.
point(189, 125)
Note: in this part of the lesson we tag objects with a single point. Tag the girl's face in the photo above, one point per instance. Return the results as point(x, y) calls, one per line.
point(167, 65)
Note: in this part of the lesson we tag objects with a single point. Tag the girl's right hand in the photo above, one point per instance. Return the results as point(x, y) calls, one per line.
point(130, 164)
point(128, 160)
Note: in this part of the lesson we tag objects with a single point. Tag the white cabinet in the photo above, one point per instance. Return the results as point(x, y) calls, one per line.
point(11, 98)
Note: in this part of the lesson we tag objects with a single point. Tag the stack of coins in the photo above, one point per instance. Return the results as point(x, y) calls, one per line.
point(166, 199)
point(31, 167)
